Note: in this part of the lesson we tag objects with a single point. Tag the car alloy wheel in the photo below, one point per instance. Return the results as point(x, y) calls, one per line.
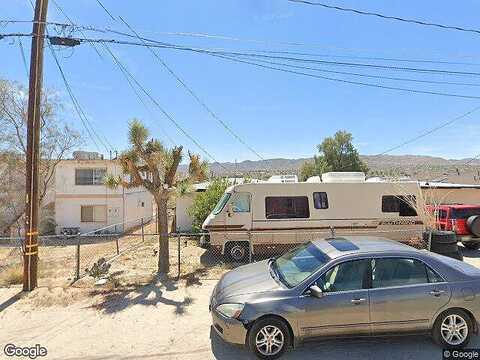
point(269, 340)
point(454, 329)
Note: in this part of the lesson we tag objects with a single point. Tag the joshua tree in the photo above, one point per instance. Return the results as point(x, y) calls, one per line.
point(149, 164)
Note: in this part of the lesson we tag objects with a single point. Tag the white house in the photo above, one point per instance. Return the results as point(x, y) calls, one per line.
point(82, 200)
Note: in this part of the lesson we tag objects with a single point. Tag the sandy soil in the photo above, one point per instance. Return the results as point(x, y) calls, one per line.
point(163, 320)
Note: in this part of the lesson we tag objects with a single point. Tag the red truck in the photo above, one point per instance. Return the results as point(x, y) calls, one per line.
point(463, 219)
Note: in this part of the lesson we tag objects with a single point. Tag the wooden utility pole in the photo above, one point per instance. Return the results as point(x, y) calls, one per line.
point(30, 251)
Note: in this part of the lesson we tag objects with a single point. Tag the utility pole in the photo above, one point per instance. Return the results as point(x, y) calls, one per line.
point(30, 255)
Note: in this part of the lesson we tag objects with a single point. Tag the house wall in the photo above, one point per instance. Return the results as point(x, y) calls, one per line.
point(122, 205)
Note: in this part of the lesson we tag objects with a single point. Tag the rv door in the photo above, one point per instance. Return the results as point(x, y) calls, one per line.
point(239, 212)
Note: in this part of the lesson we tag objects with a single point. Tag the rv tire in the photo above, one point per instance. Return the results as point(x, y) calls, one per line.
point(237, 251)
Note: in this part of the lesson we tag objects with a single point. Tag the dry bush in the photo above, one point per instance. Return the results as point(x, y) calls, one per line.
point(12, 275)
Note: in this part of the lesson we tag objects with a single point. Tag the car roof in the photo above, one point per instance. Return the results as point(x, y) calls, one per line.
point(347, 245)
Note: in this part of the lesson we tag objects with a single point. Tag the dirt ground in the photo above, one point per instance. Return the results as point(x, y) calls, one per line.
point(165, 319)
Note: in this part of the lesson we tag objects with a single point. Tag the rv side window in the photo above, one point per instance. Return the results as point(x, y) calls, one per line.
point(403, 205)
point(241, 202)
point(286, 207)
point(320, 200)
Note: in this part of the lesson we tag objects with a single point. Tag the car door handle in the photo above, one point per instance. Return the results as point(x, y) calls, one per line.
point(437, 292)
point(357, 301)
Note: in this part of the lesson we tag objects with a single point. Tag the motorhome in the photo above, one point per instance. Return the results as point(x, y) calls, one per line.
point(250, 217)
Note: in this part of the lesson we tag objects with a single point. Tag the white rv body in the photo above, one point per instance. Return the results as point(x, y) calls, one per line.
point(248, 212)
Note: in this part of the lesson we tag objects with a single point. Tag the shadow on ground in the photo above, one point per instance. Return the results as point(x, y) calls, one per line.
point(392, 348)
point(153, 294)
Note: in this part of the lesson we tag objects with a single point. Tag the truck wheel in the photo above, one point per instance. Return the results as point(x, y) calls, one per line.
point(236, 251)
point(471, 245)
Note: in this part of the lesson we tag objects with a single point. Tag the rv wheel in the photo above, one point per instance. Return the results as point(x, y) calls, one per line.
point(237, 252)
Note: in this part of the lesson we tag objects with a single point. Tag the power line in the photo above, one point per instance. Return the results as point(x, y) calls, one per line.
point(430, 131)
point(72, 23)
point(59, 8)
point(195, 96)
point(76, 104)
point(368, 75)
point(106, 10)
point(164, 112)
point(380, 86)
point(388, 17)
point(24, 59)
point(137, 94)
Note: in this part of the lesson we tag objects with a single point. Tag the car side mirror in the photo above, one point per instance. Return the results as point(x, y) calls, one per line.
point(229, 210)
point(315, 291)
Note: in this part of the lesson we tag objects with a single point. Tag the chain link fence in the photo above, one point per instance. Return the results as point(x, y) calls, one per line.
point(132, 250)
point(63, 259)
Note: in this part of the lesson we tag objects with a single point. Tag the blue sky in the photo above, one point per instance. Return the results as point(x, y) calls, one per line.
point(278, 114)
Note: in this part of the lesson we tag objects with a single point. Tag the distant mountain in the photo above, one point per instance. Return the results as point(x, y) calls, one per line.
point(416, 166)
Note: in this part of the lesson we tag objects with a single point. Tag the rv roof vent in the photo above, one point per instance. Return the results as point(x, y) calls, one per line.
point(343, 177)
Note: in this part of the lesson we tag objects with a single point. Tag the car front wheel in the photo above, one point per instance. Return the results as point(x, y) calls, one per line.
point(453, 329)
point(269, 337)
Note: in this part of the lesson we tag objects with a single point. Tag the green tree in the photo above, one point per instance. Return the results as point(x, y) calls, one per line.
point(152, 166)
point(336, 153)
point(204, 202)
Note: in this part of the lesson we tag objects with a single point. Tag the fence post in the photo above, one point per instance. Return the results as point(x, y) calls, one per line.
point(178, 256)
point(143, 232)
point(118, 248)
point(250, 245)
point(77, 256)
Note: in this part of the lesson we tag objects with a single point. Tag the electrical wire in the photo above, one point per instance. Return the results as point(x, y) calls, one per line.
point(388, 17)
point(165, 113)
point(195, 96)
point(81, 114)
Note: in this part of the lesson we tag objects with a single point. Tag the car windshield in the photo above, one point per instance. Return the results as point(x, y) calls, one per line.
point(221, 203)
point(298, 264)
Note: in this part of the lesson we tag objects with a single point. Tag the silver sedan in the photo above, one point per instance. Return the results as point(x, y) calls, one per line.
point(341, 287)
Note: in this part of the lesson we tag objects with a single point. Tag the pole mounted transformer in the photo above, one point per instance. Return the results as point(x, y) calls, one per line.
point(30, 248)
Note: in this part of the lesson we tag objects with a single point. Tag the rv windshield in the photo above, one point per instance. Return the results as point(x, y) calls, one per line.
point(299, 263)
point(221, 203)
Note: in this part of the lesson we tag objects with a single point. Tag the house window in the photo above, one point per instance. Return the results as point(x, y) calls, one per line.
point(90, 176)
point(403, 205)
point(320, 200)
point(94, 213)
point(286, 207)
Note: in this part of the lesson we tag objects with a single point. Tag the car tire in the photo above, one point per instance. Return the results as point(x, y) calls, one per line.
point(237, 252)
point(442, 248)
point(272, 336)
point(473, 224)
point(442, 237)
point(454, 321)
point(471, 245)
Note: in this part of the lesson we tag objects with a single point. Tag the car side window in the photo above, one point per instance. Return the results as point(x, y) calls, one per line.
point(349, 275)
point(388, 272)
point(433, 277)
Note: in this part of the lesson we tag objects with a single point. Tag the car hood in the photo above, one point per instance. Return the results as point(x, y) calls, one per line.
point(246, 280)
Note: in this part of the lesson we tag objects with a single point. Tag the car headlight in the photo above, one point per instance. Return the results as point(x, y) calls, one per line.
point(230, 310)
